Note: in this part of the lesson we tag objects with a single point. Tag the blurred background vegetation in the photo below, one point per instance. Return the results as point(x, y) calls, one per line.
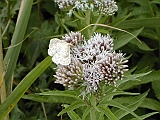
point(46, 21)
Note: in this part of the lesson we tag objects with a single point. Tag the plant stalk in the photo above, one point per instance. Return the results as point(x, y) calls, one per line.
point(12, 54)
point(2, 82)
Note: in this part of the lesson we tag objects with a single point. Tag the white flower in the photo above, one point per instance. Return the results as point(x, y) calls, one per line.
point(64, 3)
point(82, 5)
point(107, 7)
point(92, 62)
point(71, 75)
point(92, 76)
point(74, 38)
point(89, 51)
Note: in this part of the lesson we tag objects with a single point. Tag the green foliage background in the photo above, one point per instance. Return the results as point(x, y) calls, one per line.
point(27, 56)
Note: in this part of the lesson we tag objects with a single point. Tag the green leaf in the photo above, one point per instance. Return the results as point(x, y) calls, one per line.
point(149, 33)
point(66, 93)
point(18, 36)
point(93, 115)
point(155, 1)
point(78, 16)
point(71, 107)
point(144, 9)
point(94, 103)
point(156, 88)
point(101, 116)
point(102, 31)
point(146, 115)
point(128, 109)
point(49, 98)
point(141, 22)
point(17, 114)
point(86, 112)
point(73, 115)
point(151, 104)
point(50, 7)
point(22, 87)
point(125, 39)
point(112, 94)
point(14, 7)
point(145, 63)
point(142, 3)
point(107, 112)
point(147, 102)
point(119, 20)
point(131, 78)
point(153, 76)
point(142, 45)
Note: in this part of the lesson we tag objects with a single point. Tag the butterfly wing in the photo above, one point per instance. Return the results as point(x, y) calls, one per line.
point(60, 51)
point(62, 56)
point(53, 45)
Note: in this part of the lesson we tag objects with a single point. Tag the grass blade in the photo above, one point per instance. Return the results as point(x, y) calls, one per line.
point(18, 36)
point(22, 87)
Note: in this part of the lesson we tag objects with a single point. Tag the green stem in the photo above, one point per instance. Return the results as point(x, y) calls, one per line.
point(2, 82)
point(94, 27)
point(8, 9)
point(1, 59)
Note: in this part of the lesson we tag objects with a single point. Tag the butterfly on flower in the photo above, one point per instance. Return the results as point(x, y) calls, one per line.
point(60, 51)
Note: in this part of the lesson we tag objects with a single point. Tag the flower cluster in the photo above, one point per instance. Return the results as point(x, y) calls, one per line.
point(92, 61)
point(74, 38)
point(112, 67)
point(94, 48)
point(107, 7)
point(71, 75)
point(64, 3)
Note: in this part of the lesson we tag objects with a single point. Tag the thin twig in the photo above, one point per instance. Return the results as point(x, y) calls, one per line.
point(21, 41)
point(6, 27)
point(44, 110)
point(103, 25)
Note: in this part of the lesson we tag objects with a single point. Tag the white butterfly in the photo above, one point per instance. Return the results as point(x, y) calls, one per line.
point(60, 51)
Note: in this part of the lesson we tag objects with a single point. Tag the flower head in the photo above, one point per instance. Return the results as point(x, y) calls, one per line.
point(112, 68)
point(91, 49)
point(92, 77)
point(93, 61)
point(107, 7)
point(82, 5)
point(71, 75)
point(64, 3)
point(74, 38)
